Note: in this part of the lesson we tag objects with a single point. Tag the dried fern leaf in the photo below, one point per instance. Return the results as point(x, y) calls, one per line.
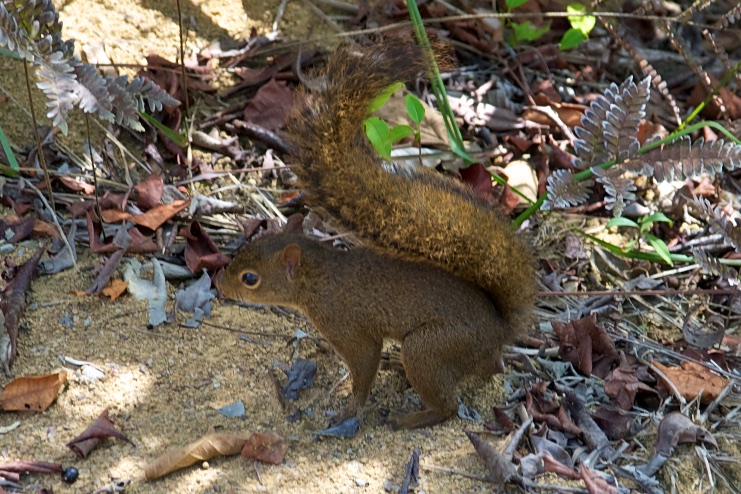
point(729, 17)
point(712, 265)
point(608, 128)
point(94, 95)
point(719, 222)
point(619, 189)
point(58, 83)
point(565, 191)
point(624, 117)
point(681, 159)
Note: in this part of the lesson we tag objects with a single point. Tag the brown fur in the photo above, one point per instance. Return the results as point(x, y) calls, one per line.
point(445, 275)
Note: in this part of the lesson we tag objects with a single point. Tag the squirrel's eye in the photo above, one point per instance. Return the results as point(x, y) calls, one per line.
point(250, 279)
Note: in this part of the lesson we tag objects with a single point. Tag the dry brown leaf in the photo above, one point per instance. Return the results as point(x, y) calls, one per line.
point(100, 429)
point(115, 288)
point(691, 379)
point(622, 386)
point(209, 446)
point(34, 393)
point(265, 447)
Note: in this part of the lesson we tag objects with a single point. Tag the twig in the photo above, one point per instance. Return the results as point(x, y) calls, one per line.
point(53, 215)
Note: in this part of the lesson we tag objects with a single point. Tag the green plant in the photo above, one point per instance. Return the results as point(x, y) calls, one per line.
point(643, 226)
point(381, 136)
point(581, 26)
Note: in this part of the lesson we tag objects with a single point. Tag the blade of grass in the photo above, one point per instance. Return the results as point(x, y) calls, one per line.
point(11, 170)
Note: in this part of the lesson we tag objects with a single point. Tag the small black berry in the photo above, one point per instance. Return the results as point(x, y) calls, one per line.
point(69, 475)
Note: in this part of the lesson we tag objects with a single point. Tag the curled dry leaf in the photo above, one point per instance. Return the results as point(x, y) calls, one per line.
point(35, 393)
point(209, 446)
point(12, 470)
point(691, 379)
point(676, 428)
point(587, 346)
point(12, 305)
point(265, 447)
point(500, 468)
point(201, 251)
point(622, 386)
point(101, 429)
point(595, 483)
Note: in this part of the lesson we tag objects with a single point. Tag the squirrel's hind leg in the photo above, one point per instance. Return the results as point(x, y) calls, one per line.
point(363, 359)
point(432, 375)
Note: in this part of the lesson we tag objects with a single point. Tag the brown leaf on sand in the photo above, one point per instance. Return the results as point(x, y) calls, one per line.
point(677, 428)
point(115, 288)
point(12, 470)
point(209, 446)
point(595, 483)
point(265, 447)
point(691, 379)
point(31, 394)
point(152, 219)
point(12, 305)
point(96, 432)
point(500, 467)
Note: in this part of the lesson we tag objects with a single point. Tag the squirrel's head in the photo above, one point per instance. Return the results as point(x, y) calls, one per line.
point(266, 271)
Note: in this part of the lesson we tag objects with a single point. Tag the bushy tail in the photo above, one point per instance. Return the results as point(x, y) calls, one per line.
point(425, 216)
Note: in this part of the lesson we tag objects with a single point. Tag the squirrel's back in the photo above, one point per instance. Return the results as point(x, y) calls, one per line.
point(426, 216)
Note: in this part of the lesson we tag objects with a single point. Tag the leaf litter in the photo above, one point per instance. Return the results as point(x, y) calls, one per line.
point(611, 364)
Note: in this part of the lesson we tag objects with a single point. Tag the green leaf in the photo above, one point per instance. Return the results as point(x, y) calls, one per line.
point(14, 167)
point(527, 32)
point(414, 108)
point(377, 131)
point(634, 254)
point(398, 133)
point(661, 248)
point(513, 4)
point(621, 221)
point(571, 39)
point(382, 98)
point(579, 21)
point(656, 217)
point(10, 54)
point(178, 139)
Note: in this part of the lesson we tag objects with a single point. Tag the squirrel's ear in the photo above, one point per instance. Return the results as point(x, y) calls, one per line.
point(292, 259)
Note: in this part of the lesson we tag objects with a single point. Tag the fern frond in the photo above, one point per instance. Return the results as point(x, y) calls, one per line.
point(565, 191)
point(729, 17)
point(681, 159)
point(618, 188)
point(61, 88)
point(12, 36)
point(124, 103)
point(609, 127)
point(94, 95)
point(719, 222)
point(144, 89)
point(712, 265)
point(32, 30)
point(589, 146)
point(624, 117)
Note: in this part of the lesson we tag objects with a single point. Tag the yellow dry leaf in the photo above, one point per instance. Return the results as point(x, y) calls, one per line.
point(691, 379)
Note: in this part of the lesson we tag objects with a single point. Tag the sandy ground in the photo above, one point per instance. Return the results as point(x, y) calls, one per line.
point(163, 385)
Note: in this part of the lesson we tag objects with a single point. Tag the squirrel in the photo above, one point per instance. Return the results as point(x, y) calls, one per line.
point(441, 271)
